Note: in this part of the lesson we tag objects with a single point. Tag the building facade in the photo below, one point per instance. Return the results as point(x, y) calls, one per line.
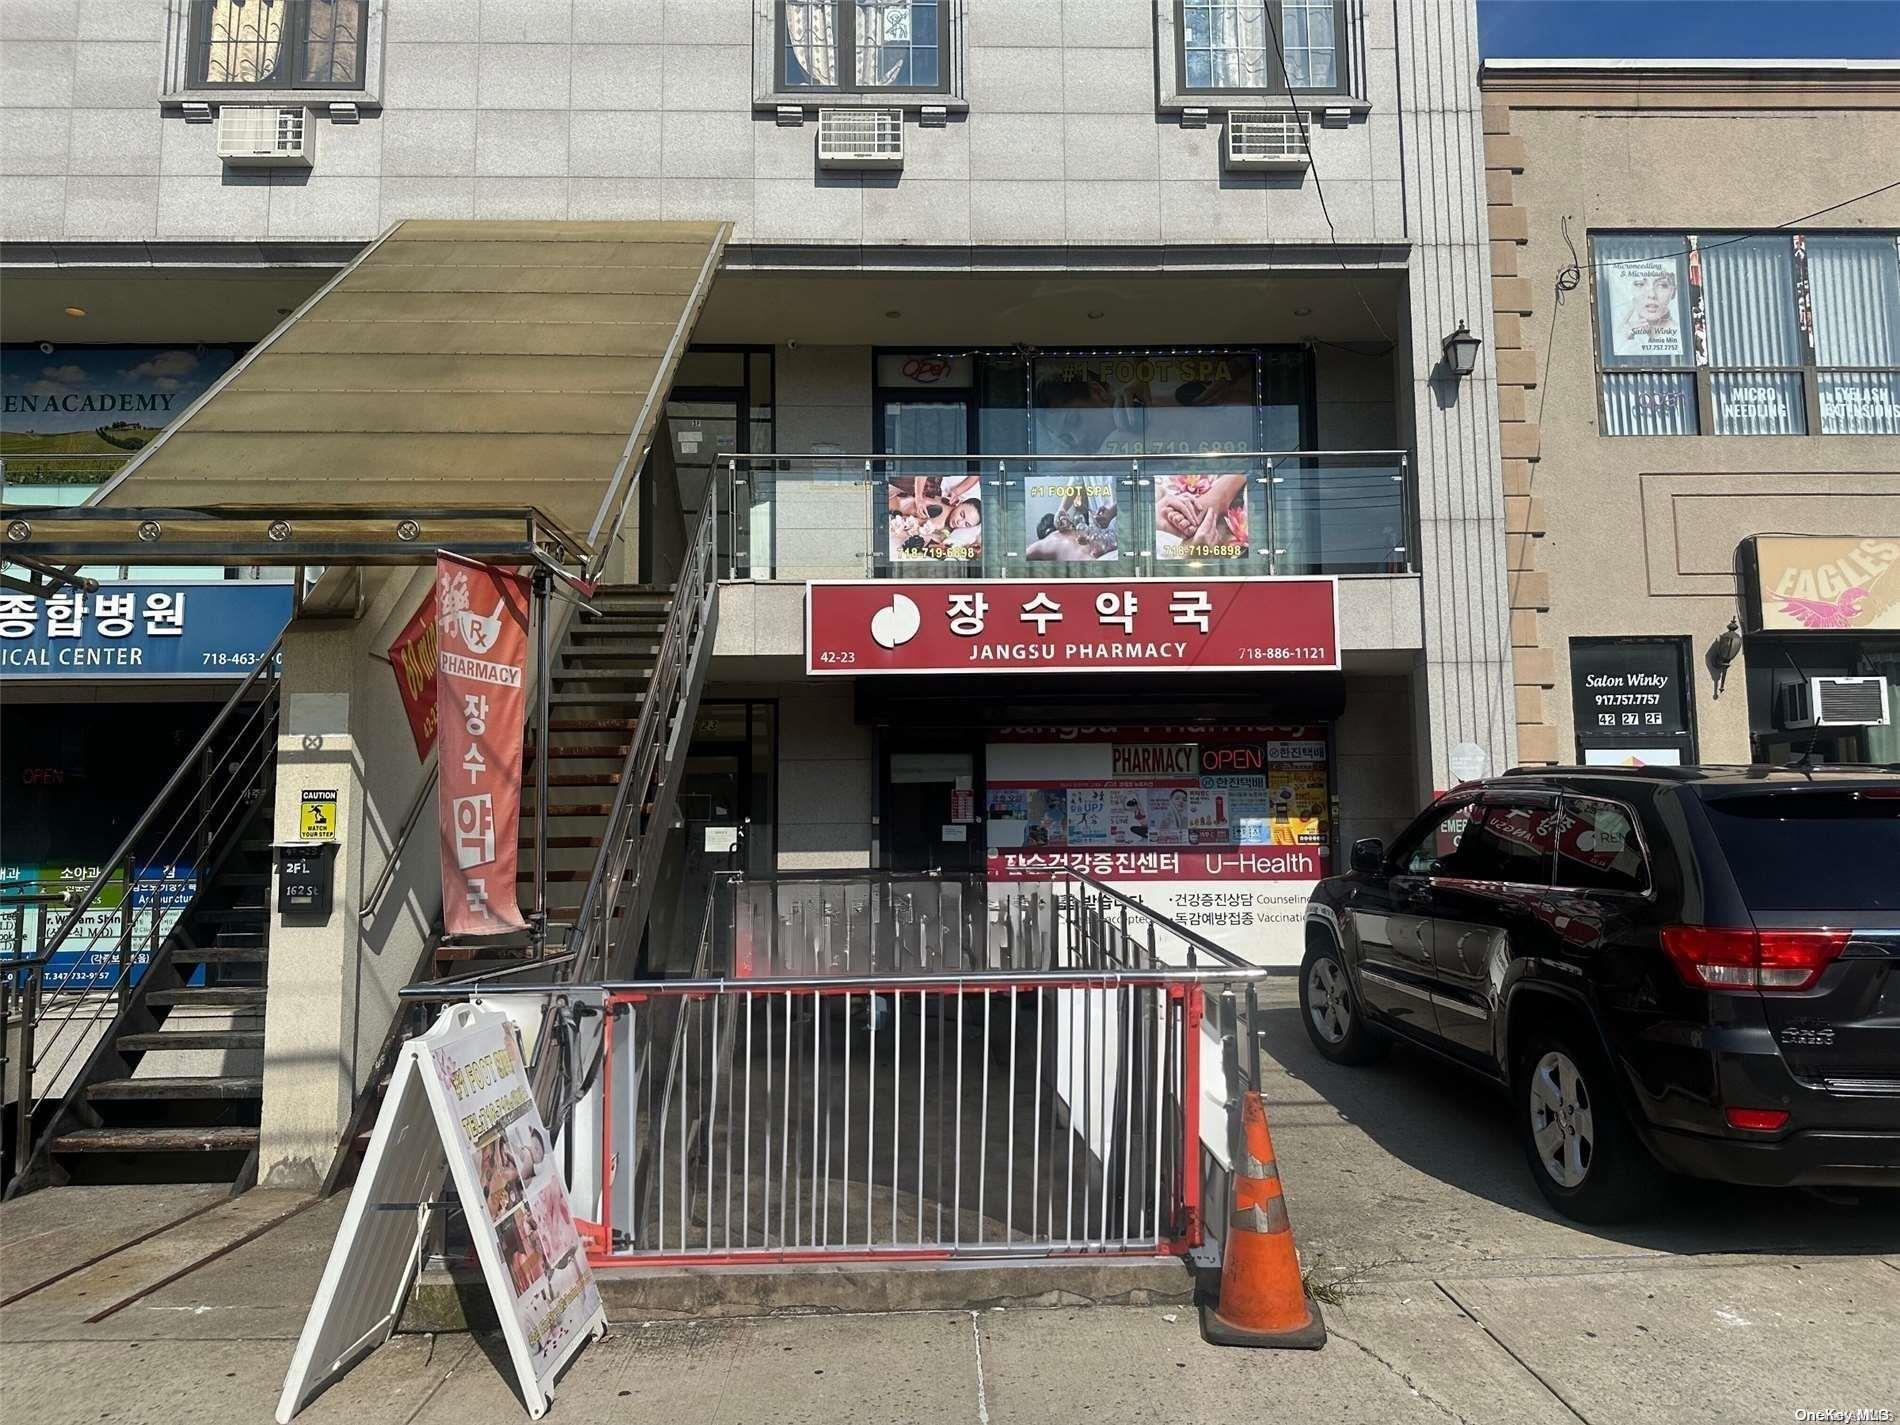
point(1705, 426)
point(1127, 296)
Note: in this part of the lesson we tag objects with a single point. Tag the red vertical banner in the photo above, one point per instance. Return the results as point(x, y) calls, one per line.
point(413, 658)
point(481, 705)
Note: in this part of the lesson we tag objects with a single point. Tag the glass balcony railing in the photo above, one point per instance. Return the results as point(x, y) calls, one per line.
point(797, 517)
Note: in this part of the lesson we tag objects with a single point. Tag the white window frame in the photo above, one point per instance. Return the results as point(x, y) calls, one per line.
point(766, 93)
point(178, 88)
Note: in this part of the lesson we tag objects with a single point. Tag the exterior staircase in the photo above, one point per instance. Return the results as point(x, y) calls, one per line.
point(179, 1094)
point(150, 1067)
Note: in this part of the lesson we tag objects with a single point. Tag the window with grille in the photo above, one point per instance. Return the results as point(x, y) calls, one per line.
point(1748, 333)
point(1260, 46)
point(863, 46)
point(278, 44)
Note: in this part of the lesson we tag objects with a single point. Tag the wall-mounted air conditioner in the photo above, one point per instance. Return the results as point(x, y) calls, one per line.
point(1266, 141)
point(1835, 702)
point(860, 138)
point(260, 136)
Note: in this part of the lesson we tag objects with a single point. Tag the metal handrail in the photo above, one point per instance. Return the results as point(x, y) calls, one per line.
point(841, 984)
point(593, 920)
point(424, 794)
point(265, 664)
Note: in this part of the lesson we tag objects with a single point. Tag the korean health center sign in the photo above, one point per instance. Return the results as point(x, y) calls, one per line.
point(211, 629)
point(1071, 626)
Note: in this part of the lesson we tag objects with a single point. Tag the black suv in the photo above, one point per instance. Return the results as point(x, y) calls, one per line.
point(1685, 968)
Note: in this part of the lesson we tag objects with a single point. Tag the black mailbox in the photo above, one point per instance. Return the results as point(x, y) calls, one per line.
point(305, 876)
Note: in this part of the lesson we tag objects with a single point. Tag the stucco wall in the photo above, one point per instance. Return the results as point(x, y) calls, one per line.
point(1623, 535)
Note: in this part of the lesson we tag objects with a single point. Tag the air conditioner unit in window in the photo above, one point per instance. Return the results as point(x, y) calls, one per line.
point(1266, 141)
point(256, 136)
point(860, 138)
point(1835, 702)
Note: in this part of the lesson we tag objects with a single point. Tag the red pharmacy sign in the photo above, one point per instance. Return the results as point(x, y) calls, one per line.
point(482, 655)
point(1071, 625)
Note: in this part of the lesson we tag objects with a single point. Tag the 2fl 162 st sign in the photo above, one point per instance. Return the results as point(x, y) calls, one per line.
point(1071, 625)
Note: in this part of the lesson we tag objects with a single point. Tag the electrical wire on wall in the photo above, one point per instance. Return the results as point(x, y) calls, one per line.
point(1319, 187)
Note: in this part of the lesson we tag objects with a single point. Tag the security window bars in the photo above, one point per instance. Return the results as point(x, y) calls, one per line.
point(1748, 333)
point(1260, 46)
point(857, 46)
point(278, 44)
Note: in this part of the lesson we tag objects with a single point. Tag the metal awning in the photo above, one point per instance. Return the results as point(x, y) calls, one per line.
point(490, 387)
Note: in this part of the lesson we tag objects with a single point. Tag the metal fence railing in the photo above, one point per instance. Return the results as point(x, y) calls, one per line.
point(868, 1065)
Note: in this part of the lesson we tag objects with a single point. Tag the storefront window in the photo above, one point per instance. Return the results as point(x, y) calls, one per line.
point(1224, 829)
point(1129, 460)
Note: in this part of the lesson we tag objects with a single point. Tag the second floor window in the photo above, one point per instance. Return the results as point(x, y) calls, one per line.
point(278, 44)
point(1748, 334)
point(1260, 46)
point(858, 45)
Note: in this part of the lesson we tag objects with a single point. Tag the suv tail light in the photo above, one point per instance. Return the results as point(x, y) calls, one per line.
point(1714, 957)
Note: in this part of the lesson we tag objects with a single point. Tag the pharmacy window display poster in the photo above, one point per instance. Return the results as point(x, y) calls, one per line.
point(1224, 830)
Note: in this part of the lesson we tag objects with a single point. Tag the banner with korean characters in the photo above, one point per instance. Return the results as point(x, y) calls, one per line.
point(1071, 625)
point(1224, 830)
point(35, 901)
point(481, 707)
point(412, 658)
point(132, 630)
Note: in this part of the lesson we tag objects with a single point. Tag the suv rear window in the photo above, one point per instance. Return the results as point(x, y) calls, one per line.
point(1812, 850)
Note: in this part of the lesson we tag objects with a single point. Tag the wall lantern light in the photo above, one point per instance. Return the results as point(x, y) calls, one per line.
point(1461, 351)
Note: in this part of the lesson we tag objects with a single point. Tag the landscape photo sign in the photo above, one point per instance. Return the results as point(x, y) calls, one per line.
point(1829, 583)
point(65, 403)
point(133, 630)
point(458, 1106)
point(481, 703)
point(1071, 625)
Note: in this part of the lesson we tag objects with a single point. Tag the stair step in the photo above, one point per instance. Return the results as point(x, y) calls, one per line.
point(630, 652)
point(222, 1138)
point(604, 699)
point(591, 724)
point(565, 843)
point(601, 629)
point(571, 809)
point(222, 955)
point(212, 995)
point(583, 779)
point(584, 751)
point(235, 913)
point(567, 677)
point(527, 877)
point(224, 1086)
point(190, 1039)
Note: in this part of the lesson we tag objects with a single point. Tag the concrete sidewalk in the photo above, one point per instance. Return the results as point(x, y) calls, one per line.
point(1460, 1297)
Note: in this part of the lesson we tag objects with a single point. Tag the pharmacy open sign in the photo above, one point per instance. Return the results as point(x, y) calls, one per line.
point(1221, 625)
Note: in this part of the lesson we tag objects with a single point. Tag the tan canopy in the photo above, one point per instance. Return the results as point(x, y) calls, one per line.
point(452, 366)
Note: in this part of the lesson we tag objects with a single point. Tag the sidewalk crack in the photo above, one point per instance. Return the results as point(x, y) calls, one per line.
point(1404, 1378)
point(1503, 1346)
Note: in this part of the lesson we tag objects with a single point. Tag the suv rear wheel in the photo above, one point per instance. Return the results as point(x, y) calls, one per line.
point(1584, 1154)
point(1330, 1011)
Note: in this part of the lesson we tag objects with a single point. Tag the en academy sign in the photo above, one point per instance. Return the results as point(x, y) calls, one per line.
point(1223, 625)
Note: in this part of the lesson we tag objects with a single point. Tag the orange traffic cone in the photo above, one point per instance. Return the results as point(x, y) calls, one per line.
point(1263, 1302)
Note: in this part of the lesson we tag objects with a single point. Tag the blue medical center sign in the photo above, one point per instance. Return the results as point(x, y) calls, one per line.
point(140, 630)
